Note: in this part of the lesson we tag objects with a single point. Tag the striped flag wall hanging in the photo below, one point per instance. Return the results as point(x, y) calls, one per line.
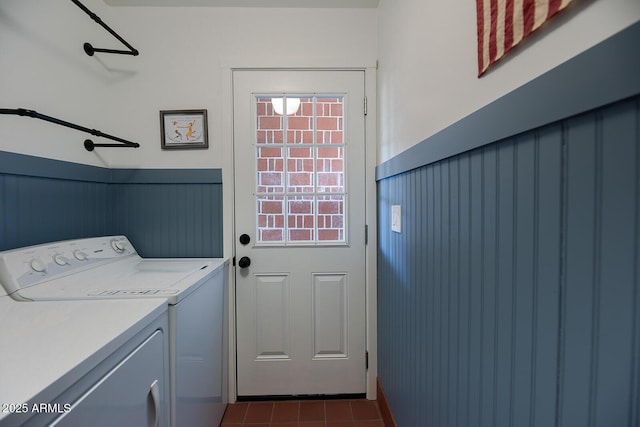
point(502, 24)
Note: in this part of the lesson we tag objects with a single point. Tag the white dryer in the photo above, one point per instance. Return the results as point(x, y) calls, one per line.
point(109, 267)
point(79, 363)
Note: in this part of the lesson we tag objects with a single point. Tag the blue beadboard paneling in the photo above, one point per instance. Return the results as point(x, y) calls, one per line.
point(170, 220)
point(600, 362)
point(511, 297)
point(23, 165)
point(39, 210)
point(547, 273)
point(165, 213)
point(166, 176)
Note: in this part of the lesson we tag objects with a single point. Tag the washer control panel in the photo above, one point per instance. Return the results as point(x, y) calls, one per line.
point(20, 268)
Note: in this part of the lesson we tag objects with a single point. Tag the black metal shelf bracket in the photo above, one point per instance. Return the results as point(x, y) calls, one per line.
point(90, 50)
point(88, 144)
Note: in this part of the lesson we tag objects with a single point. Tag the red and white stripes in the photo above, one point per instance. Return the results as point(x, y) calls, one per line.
point(502, 24)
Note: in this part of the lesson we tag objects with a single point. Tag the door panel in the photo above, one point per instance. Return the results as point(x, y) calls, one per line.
point(271, 307)
point(299, 196)
point(330, 325)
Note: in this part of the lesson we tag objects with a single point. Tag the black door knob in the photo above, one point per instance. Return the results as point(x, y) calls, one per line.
point(245, 239)
point(244, 262)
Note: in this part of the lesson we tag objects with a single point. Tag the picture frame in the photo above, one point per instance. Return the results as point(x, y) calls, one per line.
point(184, 129)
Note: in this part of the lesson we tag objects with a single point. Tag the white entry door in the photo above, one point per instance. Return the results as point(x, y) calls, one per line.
point(300, 232)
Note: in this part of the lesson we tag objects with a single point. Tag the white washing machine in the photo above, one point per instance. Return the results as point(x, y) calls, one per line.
point(78, 363)
point(109, 268)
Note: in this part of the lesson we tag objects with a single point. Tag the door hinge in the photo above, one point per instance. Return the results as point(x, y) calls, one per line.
point(365, 105)
point(366, 360)
point(366, 234)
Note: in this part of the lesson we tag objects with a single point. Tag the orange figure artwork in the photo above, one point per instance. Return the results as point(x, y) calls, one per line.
point(189, 134)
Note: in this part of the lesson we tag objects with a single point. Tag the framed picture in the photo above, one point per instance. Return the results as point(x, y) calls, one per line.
point(181, 129)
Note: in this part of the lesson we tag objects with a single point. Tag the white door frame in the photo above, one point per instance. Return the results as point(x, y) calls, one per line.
point(370, 214)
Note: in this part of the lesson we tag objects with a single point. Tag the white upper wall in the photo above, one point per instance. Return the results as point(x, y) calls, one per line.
point(184, 62)
point(427, 75)
point(248, 3)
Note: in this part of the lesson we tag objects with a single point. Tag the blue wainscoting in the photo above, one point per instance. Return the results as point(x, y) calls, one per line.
point(37, 210)
point(600, 330)
point(512, 295)
point(44, 200)
point(169, 213)
point(165, 213)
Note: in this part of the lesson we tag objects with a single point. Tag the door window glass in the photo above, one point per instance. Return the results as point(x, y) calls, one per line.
point(300, 178)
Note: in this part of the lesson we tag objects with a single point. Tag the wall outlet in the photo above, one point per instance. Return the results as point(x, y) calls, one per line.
point(396, 218)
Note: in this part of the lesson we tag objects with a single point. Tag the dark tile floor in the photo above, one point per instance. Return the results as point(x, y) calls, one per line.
point(306, 413)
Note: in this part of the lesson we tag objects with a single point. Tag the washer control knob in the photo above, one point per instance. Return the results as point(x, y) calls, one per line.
point(38, 265)
point(60, 259)
point(80, 256)
point(118, 246)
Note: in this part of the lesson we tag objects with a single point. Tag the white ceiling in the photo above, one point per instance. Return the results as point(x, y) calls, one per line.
point(250, 3)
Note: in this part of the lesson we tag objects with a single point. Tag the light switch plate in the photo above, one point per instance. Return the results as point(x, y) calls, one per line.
point(396, 218)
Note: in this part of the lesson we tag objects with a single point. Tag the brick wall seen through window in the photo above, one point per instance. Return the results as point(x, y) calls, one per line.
point(300, 176)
